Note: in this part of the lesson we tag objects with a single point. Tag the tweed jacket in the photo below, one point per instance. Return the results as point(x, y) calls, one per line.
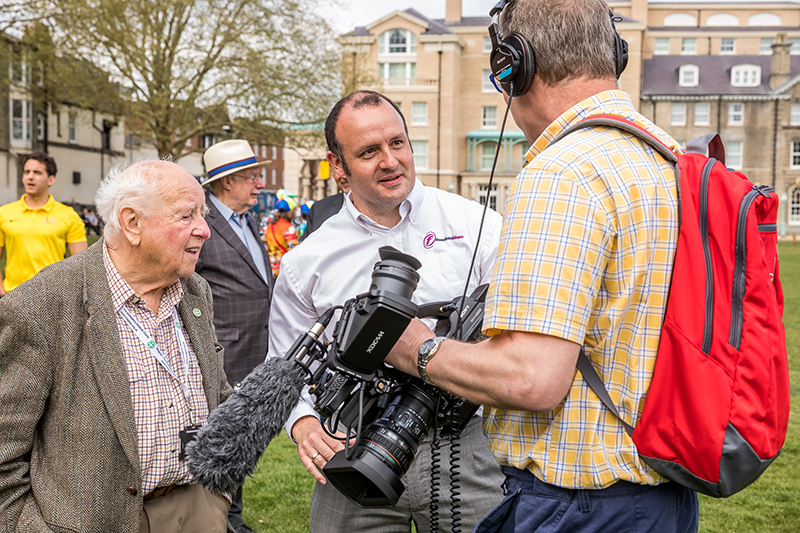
point(322, 210)
point(241, 295)
point(68, 440)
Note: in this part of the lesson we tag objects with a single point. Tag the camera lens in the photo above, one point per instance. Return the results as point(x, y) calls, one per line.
point(396, 272)
point(385, 452)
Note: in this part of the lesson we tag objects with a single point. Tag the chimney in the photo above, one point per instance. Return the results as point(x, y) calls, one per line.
point(780, 66)
point(639, 10)
point(452, 11)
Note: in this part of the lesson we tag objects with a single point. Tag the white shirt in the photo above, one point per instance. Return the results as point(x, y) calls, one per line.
point(335, 263)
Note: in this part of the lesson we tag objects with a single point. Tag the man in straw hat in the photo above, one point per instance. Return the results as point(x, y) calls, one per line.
point(236, 266)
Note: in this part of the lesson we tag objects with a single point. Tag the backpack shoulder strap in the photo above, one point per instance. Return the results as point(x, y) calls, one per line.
point(593, 380)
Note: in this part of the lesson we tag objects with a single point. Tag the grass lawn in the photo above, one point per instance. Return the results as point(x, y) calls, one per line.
point(278, 496)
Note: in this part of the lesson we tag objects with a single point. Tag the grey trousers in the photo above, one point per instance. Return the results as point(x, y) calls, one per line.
point(481, 481)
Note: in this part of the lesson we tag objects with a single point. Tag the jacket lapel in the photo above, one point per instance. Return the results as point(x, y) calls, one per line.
point(223, 229)
point(105, 353)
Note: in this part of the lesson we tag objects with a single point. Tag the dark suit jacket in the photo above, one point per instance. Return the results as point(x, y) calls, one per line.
point(241, 296)
point(68, 441)
point(322, 210)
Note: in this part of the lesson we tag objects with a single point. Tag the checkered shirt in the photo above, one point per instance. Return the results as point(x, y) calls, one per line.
point(586, 255)
point(159, 407)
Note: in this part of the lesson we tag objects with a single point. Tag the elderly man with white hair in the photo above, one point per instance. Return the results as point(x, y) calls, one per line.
point(108, 364)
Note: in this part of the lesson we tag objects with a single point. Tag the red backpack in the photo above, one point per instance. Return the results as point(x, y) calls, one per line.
point(716, 413)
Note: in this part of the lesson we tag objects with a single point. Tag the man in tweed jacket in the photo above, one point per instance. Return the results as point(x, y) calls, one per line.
point(70, 434)
point(236, 266)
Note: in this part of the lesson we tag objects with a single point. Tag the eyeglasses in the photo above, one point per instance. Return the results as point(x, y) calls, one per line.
point(250, 176)
point(495, 83)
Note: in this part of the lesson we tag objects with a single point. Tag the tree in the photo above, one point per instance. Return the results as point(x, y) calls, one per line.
point(192, 67)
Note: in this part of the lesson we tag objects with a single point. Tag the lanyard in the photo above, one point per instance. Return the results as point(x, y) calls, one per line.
point(151, 345)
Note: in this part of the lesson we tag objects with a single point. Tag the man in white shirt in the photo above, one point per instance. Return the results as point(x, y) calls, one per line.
point(387, 206)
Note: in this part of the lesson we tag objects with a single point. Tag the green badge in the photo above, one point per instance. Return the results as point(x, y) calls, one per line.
point(151, 344)
point(196, 312)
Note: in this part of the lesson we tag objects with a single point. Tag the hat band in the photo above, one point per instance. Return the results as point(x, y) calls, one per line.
point(235, 164)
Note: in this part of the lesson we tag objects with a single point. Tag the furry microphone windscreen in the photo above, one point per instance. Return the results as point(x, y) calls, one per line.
point(238, 432)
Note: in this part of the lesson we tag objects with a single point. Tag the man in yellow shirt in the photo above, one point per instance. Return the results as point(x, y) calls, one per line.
point(36, 229)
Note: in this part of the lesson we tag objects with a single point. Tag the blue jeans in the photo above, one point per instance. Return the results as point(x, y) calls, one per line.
point(531, 505)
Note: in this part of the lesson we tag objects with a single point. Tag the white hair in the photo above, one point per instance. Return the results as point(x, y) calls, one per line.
point(132, 185)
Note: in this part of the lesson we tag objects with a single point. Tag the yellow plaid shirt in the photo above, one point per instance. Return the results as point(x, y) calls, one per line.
point(586, 255)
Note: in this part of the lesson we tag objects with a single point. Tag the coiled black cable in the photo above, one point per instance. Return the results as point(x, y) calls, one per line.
point(455, 481)
point(436, 466)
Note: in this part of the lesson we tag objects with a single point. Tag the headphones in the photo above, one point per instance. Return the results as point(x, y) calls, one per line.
point(512, 59)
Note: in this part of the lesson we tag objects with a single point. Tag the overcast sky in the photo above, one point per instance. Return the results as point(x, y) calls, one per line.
point(354, 13)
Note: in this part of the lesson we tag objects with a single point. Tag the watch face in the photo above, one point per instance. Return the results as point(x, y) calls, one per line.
point(427, 346)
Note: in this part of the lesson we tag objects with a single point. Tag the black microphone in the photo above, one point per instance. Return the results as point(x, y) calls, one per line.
point(238, 432)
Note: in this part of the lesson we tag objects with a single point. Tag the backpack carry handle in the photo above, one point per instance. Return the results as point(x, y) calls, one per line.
point(710, 144)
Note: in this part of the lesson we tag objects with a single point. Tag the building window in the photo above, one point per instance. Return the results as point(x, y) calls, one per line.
point(795, 158)
point(274, 152)
point(794, 206)
point(489, 116)
point(702, 114)
point(764, 19)
point(420, 154)
point(72, 128)
point(766, 46)
point(733, 154)
point(795, 49)
point(208, 140)
point(662, 46)
point(487, 155)
point(680, 19)
point(21, 120)
point(727, 46)
point(689, 75)
point(76, 178)
point(487, 86)
point(689, 46)
point(482, 190)
point(39, 126)
point(487, 45)
point(264, 151)
point(419, 113)
point(735, 114)
point(274, 177)
point(397, 42)
point(678, 114)
point(746, 76)
point(398, 73)
point(722, 19)
point(794, 119)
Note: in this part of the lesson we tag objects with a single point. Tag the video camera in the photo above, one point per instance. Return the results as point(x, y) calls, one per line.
point(353, 388)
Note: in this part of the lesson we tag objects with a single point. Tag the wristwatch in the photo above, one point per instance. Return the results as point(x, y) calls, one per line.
point(426, 353)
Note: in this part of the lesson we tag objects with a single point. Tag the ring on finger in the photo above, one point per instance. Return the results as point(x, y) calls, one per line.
point(313, 457)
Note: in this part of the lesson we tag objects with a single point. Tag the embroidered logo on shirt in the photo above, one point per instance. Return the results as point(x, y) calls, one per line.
point(430, 239)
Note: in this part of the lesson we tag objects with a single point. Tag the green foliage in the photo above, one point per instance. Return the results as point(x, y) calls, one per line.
point(280, 492)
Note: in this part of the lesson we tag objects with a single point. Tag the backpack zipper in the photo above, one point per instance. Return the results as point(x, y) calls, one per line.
point(740, 269)
point(703, 222)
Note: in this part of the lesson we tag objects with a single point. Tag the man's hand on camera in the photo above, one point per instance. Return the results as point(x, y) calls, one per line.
point(405, 352)
point(314, 446)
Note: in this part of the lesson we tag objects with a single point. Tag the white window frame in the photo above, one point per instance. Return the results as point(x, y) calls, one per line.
point(764, 19)
point(722, 19)
point(732, 43)
point(689, 76)
point(487, 120)
point(482, 190)
point(420, 154)
point(487, 45)
point(677, 114)
point(794, 117)
point(419, 113)
point(765, 48)
point(661, 46)
point(689, 46)
point(274, 176)
point(408, 79)
point(72, 128)
point(734, 154)
point(702, 114)
point(274, 152)
point(24, 120)
point(794, 154)
point(385, 47)
point(746, 75)
point(794, 206)
point(487, 158)
point(736, 114)
point(680, 19)
point(486, 83)
point(795, 49)
point(40, 126)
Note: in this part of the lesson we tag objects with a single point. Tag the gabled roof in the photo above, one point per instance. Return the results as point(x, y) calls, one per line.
point(660, 75)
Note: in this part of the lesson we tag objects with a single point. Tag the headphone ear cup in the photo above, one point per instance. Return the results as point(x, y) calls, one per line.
point(527, 63)
point(620, 54)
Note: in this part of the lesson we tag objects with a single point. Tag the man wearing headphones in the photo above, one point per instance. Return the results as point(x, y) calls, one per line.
point(584, 262)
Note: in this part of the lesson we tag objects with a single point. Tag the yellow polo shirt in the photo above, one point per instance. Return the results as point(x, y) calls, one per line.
point(35, 238)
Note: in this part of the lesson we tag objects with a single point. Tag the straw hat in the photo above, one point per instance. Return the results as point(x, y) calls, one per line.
point(227, 157)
